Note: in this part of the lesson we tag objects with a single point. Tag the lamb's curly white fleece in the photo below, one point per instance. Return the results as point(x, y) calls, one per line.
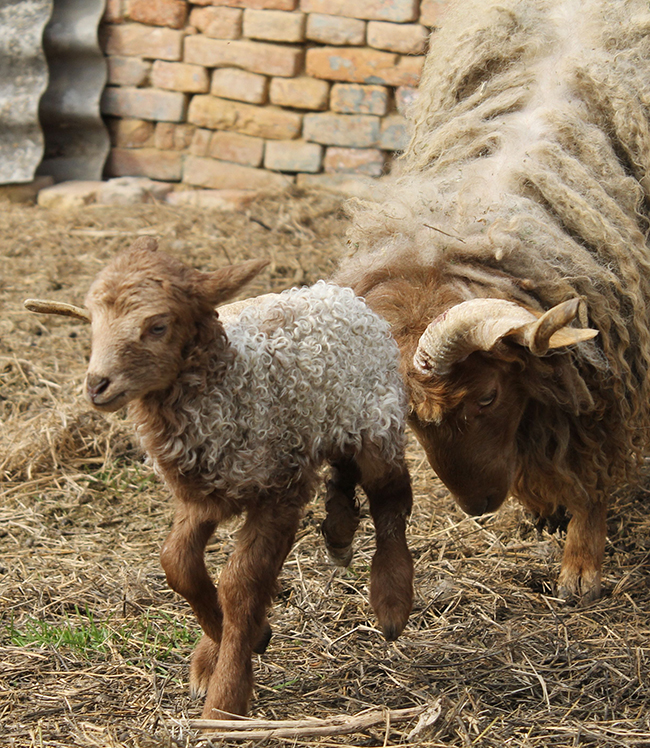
point(315, 374)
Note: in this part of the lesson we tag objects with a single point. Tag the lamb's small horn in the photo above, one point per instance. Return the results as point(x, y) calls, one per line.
point(232, 310)
point(479, 324)
point(40, 306)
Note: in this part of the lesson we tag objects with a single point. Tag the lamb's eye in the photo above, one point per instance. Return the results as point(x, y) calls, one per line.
point(487, 400)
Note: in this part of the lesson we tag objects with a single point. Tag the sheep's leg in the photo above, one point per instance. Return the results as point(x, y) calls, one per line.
point(182, 558)
point(246, 590)
point(391, 575)
point(184, 565)
point(342, 511)
point(583, 555)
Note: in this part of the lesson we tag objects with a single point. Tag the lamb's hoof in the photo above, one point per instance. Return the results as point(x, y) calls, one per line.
point(264, 639)
point(580, 587)
point(204, 661)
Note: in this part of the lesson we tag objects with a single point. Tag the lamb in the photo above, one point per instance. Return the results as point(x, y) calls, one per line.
point(510, 255)
point(237, 417)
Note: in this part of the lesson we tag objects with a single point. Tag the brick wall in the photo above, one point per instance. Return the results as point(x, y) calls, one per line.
point(230, 94)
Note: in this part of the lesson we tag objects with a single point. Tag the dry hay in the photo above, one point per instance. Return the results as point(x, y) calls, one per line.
point(94, 647)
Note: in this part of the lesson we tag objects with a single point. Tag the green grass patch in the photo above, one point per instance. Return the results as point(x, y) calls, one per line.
point(153, 635)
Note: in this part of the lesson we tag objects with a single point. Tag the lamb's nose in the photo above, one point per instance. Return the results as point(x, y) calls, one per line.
point(96, 385)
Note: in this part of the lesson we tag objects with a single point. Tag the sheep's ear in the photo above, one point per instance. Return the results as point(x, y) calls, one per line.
point(223, 284)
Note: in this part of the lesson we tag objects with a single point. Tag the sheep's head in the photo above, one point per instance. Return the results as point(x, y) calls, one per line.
point(145, 308)
point(471, 391)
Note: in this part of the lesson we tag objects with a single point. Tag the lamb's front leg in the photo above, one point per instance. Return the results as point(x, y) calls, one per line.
point(246, 590)
point(342, 511)
point(583, 554)
point(182, 558)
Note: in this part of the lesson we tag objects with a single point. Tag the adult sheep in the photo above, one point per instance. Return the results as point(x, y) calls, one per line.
point(513, 232)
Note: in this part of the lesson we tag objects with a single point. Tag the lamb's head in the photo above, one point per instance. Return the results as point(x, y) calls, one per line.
point(471, 391)
point(147, 310)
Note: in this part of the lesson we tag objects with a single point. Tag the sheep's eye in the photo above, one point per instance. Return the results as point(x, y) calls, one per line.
point(487, 400)
point(158, 330)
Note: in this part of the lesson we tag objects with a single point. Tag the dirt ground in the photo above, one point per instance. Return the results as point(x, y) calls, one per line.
point(94, 648)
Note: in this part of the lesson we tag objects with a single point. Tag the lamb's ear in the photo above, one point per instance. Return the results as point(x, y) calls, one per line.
point(40, 306)
point(221, 285)
point(147, 243)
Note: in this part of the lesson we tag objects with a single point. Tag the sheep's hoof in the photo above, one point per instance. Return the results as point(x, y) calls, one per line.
point(339, 555)
point(263, 641)
point(581, 587)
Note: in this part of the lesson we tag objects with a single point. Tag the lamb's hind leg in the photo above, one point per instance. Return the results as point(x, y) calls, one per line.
point(246, 590)
point(342, 511)
point(391, 577)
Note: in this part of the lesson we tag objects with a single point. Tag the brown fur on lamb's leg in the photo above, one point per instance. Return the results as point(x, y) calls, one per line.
point(391, 575)
point(183, 562)
point(342, 511)
point(246, 589)
point(583, 555)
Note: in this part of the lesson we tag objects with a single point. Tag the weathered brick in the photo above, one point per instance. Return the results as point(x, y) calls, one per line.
point(300, 93)
point(405, 38)
point(137, 40)
point(127, 71)
point(144, 103)
point(233, 146)
point(200, 142)
point(170, 13)
point(221, 175)
point(68, 195)
point(261, 122)
point(368, 161)
point(232, 83)
point(400, 11)
point(130, 133)
point(256, 4)
point(395, 133)
point(293, 156)
point(363, 66)
point(218, 23)
point(405, 97)
point(166, 166)
point(180, 76)
point(274, 25)
point(171, 137)
point(335, 30)
point(131, 191)
point(258, 57)
point(432, 11)
point(227, 200)
point(355, 98)
point(113, 12)
point(353, 130)
point(346, 184)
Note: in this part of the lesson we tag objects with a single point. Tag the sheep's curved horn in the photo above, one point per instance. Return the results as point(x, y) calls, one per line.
point(40, 306)
point(479, 324)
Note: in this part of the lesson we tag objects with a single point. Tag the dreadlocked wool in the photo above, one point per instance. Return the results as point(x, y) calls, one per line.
point(526, 178)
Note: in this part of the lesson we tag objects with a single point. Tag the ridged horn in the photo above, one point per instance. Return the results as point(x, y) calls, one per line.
point(41, 306)
point(479, 324)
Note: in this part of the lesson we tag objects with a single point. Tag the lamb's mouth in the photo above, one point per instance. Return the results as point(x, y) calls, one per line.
point(112, 404)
